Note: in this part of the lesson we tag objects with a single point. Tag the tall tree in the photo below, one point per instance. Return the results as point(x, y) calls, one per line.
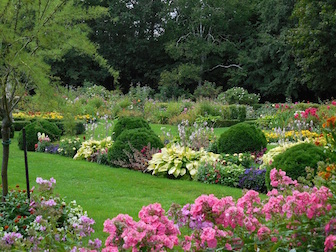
point(267, 57)
point(131, 40)
point(208, 35)
point(31, 32)
point(314, 44)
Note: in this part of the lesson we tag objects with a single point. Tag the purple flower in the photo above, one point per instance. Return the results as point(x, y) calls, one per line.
point(38, 218)
point(50, 202)
point(10, 238)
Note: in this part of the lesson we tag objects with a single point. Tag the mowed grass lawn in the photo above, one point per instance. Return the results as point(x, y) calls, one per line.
point(105, 191)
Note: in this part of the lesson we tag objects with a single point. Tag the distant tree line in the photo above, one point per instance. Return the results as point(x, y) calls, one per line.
point(282, 49)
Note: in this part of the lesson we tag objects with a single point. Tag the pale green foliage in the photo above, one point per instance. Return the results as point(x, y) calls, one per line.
point(33, 31)
point(88, 148)
point(178, 161)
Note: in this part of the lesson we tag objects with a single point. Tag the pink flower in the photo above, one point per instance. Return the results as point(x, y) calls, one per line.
point(209, 236)
point(333, 103)
point(263, 233)
point(329, 243)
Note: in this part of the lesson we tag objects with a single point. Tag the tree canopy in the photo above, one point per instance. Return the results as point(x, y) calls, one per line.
point(33, 32)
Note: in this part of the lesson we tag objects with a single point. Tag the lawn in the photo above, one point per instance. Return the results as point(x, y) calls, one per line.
point(106, 191)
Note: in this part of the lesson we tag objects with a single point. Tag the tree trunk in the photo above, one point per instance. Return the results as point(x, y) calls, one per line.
point(5, 131)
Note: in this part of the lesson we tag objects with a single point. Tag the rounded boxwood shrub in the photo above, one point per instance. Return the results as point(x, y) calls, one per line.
point(242, 137)
point(295, 160)
point(137, 138)
point(126, 123)
point(32, 129)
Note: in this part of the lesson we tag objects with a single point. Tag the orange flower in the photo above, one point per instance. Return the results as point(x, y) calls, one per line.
point(6, 227)
point(328, 169)
point(330, 123)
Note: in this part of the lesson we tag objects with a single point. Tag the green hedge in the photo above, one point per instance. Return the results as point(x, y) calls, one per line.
point(127, 123)
point(138, 138)
point(242, 137)
point(295, 160)
point(32, 129)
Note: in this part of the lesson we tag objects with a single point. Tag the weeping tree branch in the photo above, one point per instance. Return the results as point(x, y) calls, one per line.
point(224, 66)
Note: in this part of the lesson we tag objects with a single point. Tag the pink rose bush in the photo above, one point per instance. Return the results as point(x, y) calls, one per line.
point(292, 216)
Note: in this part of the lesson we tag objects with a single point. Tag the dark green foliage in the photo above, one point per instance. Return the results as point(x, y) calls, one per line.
point(32, 129)
point(79, 127)
point(18, 125)
point(127, 123)
point(137, 138)
point(295, 159)
point(217, 173)
point(11, 132)
point(241, 137)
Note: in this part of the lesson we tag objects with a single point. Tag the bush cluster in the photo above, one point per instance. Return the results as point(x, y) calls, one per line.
point(32, 129)
point(241, 137)
point(131, 133)
point(127, 123)
point(295, 160)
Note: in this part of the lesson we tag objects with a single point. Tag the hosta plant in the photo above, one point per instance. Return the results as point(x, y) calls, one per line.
point(179, 161)
point(90, 147)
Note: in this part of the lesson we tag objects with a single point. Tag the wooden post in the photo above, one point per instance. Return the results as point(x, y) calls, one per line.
point(26, 161)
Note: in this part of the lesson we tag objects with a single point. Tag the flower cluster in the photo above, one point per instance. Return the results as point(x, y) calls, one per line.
point(46, 223)
point(43, 142)
point(154, 231)
point(292, 217)
point(69, 146)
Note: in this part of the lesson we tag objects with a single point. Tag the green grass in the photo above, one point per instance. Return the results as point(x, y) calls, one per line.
point(103, 191)
point(102, 130)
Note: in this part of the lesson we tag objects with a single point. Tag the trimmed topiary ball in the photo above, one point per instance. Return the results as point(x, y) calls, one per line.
point(241, 137)
point(127, 123)
point(295, 160)
point(32, 129)
point(138, 138)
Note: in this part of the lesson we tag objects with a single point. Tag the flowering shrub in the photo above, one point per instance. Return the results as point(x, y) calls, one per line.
point(253, 179)
point(91, 147)
point(219, 173)
point(310, 114)
point(36, 115)
point(69, 146)
point(281, 135)
point(195, 136)
point(291, 217)
point(138, 160)
point(47, 222)
point(330, 128)
point(178, 161)
point(43, 142)
point(153, 232)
